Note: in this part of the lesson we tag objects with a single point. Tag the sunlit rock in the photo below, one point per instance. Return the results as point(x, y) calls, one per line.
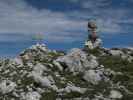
point(115, 94)
point(7, 86)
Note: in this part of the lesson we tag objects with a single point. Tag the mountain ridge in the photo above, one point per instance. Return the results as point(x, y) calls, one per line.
point(80, 74)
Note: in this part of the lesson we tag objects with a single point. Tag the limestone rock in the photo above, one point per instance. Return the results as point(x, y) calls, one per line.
point(77, 61)
point(93, 76)
point(32, 96)
point(7, 86)
point(90, 45)
point(115, 94)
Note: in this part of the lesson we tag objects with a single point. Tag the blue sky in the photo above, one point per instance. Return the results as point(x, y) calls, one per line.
point(63, 23)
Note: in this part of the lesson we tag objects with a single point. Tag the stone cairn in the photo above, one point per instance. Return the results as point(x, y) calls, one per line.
point(93, 40)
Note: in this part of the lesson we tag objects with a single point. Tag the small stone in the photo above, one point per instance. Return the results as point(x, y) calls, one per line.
point(115, 94)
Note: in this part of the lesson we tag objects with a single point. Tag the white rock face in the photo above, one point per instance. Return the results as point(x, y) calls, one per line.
point(120, 52)
point(77, 61)
point(58, 65)
point(32, 96)
point(7, 86)
point(39, 68)
point(71, 88)
point(96, 44)
point(115, 94)
point(130, 48)
point(89, 44)
point(46, 81)
point(43, 80)
point(115, 52)
point(93, 76)
point(93, 63)
point(39, 46)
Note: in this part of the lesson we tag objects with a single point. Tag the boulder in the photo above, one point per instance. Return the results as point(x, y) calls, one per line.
point(7, 86)
point(77, 61)
point(93, 76)
point(114, 94)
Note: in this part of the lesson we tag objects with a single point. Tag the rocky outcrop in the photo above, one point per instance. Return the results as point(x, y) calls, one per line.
point(43, 74)
point(124, 53)
point(78, 61)
point(7, 86)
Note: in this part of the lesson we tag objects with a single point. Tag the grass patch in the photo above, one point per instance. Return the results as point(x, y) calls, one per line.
point(52, 95)
point(119, 65)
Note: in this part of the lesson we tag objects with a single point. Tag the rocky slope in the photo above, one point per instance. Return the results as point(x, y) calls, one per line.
point(42, 74)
